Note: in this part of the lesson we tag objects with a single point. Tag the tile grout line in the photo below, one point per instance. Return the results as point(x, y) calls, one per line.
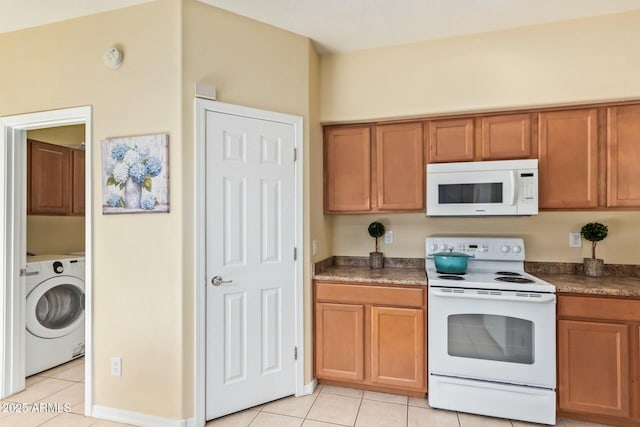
point(359, 407)
point(311, 406)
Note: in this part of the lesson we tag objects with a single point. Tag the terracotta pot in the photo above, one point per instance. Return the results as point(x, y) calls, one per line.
point(593, 267)
point(376, 259)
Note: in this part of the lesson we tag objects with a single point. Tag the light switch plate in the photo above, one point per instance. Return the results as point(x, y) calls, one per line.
point(575, 240)
point(388, 237)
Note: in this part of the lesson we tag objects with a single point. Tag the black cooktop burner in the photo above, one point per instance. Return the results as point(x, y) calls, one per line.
point(514, 279)
point(451, 277)
point(507, 273)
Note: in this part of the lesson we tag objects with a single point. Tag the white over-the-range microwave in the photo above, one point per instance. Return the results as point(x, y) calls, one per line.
point(503, 187)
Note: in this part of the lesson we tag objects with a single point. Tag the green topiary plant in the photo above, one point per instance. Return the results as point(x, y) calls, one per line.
point(594, 232)
point(376, 230)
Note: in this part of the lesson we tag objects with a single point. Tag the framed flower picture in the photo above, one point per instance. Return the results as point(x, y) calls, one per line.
point(135, 174)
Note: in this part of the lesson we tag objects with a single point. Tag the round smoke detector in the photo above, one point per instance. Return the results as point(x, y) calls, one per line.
point(112, 57)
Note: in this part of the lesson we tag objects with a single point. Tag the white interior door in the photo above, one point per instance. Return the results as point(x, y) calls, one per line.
point(250, 237)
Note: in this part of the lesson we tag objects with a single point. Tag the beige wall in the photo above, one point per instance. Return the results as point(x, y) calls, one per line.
point(546, 235)
point(137, 262)
point(576, 61)
point(61, 135)
point(55, 234)
point(255, 65)
point(573, 62)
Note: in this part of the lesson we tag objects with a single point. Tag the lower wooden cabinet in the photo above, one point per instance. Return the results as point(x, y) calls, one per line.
point(371, 336)
point(397, 347)
point(599, 359)
point(340, 341)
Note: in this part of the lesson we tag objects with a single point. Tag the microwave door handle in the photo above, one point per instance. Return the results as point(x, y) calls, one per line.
point(543, 298)
point(514, 189)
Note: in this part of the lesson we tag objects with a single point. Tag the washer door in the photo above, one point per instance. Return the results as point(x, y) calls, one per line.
point(55, 307)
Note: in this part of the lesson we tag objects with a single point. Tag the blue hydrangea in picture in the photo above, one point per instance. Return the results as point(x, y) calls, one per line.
point(135, 171)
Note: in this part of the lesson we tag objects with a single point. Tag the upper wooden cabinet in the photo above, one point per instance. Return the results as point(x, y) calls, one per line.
point(55, 183)
point(506, 137)
point(588, 156)
point(399, 167)
point(50, 170)
point(370, 169)
point(347, 169)
point(450, 140)
point(623, 156)
point(568, 153)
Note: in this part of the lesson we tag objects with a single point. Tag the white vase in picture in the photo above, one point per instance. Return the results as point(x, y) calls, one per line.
point(132, 194)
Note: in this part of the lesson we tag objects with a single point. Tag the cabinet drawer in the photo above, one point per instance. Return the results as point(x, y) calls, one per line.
point(599, 308)
point(364, 294)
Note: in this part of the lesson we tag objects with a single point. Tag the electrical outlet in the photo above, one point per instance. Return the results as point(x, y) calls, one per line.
point(388, 237)
point(116, 366)
point(314, 247)
point(575, 240)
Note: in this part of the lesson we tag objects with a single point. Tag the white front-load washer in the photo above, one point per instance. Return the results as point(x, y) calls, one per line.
point(54, 314)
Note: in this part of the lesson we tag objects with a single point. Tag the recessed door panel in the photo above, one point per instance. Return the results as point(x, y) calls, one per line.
point(270, 220)
point(235, 337)
point(271, 331)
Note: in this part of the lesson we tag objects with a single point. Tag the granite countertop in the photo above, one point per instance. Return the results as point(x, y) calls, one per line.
point(620, 286)
point(382, 276)
point(620, 281)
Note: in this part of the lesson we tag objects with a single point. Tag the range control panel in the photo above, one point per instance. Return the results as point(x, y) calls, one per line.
point(482, 248)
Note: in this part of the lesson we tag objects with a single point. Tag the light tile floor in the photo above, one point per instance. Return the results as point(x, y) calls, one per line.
point(328, 406)
point(331, 406)
point(62, 388)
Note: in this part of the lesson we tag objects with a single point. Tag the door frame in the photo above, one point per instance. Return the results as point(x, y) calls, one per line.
point(200, 282)
point(13, 244)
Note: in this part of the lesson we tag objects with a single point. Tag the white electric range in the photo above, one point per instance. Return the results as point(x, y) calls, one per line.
point(492, 332)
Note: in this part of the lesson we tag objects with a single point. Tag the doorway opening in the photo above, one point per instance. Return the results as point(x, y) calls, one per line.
point(46, 248)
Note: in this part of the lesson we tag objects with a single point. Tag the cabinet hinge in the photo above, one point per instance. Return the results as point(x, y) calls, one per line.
point(295, 154)
point(295, 254)
point(295, 353)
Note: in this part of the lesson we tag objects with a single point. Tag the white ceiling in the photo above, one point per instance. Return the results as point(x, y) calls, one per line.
point(348, 25)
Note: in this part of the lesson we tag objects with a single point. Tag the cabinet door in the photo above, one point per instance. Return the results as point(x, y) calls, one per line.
point(450, 140)
point(623, 156)
point(339, 341)
point(347, 169)
point(50, 169)
point(398, 347)
point(568, 153)
point(400, 172)
point(506, 137)
point(77, 199)
point(593, 367)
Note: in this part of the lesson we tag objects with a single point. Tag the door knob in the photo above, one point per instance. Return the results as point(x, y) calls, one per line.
point(217, 281)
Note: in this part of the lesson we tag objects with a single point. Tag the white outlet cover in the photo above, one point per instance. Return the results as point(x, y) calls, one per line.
point(116, 366)
point(575, 240)
point(388, 237)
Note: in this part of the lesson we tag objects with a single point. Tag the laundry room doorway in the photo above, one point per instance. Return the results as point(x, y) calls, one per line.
point(45, 245)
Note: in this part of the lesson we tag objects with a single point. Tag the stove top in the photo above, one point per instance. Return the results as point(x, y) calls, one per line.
point(497, 263)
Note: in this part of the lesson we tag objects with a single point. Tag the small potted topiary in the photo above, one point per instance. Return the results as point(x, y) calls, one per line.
point(376, 259)
point(594, 232)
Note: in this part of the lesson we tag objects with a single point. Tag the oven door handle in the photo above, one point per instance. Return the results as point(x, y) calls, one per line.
point(543, 298)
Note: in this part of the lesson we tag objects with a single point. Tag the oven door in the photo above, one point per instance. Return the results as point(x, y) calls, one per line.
point(502, 336)
point(472, 193)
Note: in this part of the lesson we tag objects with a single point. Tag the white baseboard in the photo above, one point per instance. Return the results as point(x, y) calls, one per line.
point(137, 418)
point(309, 388)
